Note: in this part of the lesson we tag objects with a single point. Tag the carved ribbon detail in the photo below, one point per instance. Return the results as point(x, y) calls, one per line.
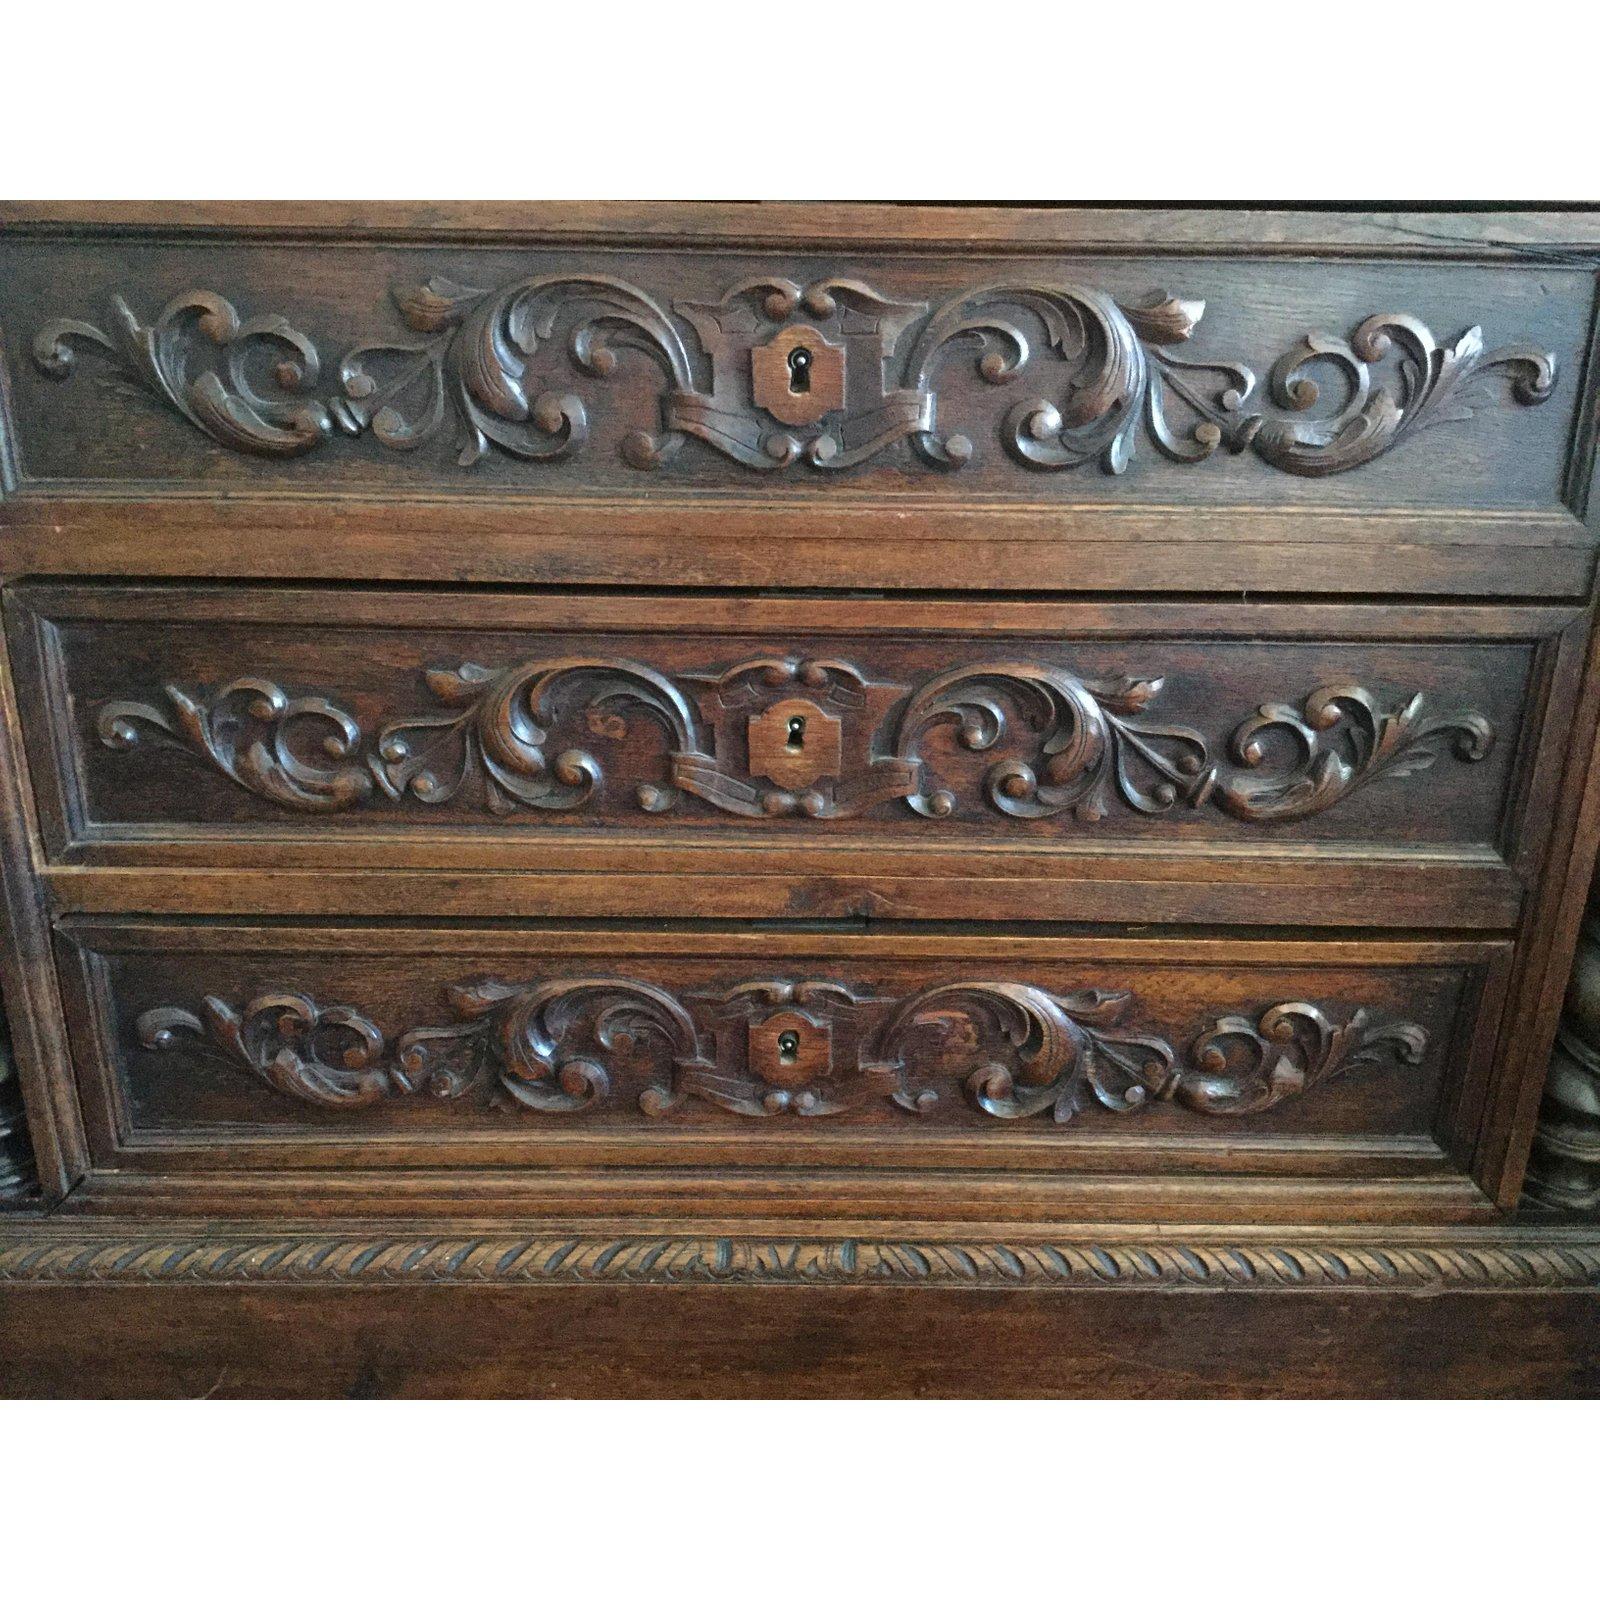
point(480, 357)
point(1094, 746)
point(1009, 1049)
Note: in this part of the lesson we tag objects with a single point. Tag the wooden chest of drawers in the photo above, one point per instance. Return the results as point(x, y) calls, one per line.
point(842, 724)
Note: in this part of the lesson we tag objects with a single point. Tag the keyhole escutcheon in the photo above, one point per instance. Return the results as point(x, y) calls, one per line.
point(800, 370)
point(797, 733)
point(788, 1048)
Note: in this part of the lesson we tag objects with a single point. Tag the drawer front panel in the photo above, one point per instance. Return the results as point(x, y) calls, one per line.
point(1024, 375)
point(269, 1046)
point(559, 723)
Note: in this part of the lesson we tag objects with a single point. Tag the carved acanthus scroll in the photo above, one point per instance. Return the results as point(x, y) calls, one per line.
point(819, 740)
point(830, 375)
point(769, 1047)
point(222, 403)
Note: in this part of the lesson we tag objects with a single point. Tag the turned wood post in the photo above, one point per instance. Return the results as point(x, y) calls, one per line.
point(16, 1160)
point(1564, 1167)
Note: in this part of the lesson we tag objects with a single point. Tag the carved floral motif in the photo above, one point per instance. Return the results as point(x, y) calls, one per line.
point(830, 374)
point(869, 741)
point(775, 1046)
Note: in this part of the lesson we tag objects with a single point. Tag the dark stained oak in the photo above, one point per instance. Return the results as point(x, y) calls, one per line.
point(708, 1342)
point(786, 765)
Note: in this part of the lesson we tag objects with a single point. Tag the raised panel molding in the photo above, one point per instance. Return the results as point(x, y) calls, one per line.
point(829, 375)
point(1094, 745)
point(768, 1047)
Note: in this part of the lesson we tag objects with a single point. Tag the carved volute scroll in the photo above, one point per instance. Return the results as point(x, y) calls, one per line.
point(222, 401)
point(1090, 748)
point(1341, 740)
point(299, 753)
point(17, 1178)
point(774, 1046)
point(788, 736)
point(1564, 1166)
point(828, 375)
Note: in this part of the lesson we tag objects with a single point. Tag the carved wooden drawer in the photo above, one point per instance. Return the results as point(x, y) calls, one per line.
point(763, 714)
point(688, 1054)
point(996, 401)
point(800, 737)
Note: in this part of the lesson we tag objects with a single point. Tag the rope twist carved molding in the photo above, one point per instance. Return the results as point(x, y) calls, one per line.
point(40, 1253)
point(775, 1046)
point(1094, 744)
point(801, 375)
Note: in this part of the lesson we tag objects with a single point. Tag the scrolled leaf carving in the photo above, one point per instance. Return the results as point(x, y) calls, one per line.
point(498, 725)
point(1094, 744)
point(546, 1045)
point(1104, 370)
point(772, 1046)
point(1115, 358)
point(331, 1056)
point(1237, 1067)
point(1431, 386)
point(224, 404)
point(1341, 740)
point(474, 357)
point(1061, 1051)
point(1091, 745)
point(299, 753)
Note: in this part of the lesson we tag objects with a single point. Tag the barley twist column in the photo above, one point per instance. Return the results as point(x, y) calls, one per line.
point(1564, 1168)
point(16, 1160)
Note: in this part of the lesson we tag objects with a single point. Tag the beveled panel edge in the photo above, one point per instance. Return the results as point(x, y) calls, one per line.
point(1535, 235)
point(1459, 1260)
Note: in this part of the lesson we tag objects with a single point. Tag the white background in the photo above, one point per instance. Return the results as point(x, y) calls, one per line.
point(1121, 101)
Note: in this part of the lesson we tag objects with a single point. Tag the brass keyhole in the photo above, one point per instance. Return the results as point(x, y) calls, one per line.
point(788, 1049)
point(797, 733)
point(800, 371)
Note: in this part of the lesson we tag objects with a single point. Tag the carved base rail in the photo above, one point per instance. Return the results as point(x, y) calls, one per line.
point(1564, 1168)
